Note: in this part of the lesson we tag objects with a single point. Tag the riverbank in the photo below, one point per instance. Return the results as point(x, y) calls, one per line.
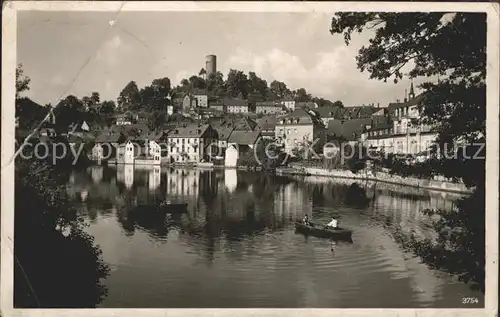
point(367, 175)
point(364, 175)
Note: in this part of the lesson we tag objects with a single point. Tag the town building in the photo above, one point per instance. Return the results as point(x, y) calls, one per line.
point(245, 124)
point(217, 105)
point(78, 129)
point(385, 140)
point(347, 130)
point(123, 119)
point(191, 143)
point(289, 103)
point(406, 135)
point(224, 128)
point(106, 144)
point(329, 113)
point(267, 126)
point(149, 149)
point(300, 128)
point(188, 103)
point(170, 110)
point(307, 105)
point(240, 143)
point(235, 105)
point(201, 97)
point(125, 153)
point(269, 107)
point(177, 102)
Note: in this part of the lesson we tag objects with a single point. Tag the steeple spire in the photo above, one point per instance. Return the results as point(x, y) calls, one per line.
point(412, 91)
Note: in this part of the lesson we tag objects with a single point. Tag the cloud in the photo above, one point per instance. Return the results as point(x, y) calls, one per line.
point(328, 71)
point(110, 51)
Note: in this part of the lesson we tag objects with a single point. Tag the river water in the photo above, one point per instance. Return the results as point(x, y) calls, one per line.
point(237, 247)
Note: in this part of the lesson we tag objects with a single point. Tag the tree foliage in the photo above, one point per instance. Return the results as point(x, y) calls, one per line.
point(279, 88)
point(450, 47)
point(22, 81)
point(237, 84)
point(130, 97)
point(301, 95)
point(56, 262)
point(216, 84)
point(338, 103)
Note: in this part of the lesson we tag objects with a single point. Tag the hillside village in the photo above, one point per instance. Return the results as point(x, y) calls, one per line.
point(209, 128)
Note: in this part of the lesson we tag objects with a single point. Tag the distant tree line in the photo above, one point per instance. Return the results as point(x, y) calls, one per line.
point(150, 102)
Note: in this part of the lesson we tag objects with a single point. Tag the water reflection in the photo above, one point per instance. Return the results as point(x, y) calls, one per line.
point(236, 245)
point(125, 174)
point(230, 179)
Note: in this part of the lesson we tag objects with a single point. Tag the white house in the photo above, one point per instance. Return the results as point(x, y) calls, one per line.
point(97, 152)
point(125, 153)
point(239, 143)
point(299, 128)
point(235, 105)
point(289, 103)
point(154, 152)
point(201, 97)
point(106, 145)
point(123, 120)
point(125, 175)
point(190, 143)
point(268, 107)
point(406, 135)
point(170, 109)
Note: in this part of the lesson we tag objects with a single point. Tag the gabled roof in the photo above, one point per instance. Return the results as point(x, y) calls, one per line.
point(267, 122)
point(288, 98)
point(223, 128)
point(108, 136)
point(235, 102)
point(301, 116)
point(307, 104)
point(328, 112)
point(245, 124)
point(381, 126)
point(412, 102)
point(244, 137)
point(199, 92)
point(268, 104)
point(350, 129)
point(189, 131)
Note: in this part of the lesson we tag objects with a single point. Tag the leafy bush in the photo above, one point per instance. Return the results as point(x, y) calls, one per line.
point(57, 263)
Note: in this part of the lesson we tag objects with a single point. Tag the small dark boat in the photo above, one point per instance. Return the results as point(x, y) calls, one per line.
point(172, 208)
point(319, 231)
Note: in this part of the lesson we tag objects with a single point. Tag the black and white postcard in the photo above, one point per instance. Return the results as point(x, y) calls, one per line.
point(280, 158)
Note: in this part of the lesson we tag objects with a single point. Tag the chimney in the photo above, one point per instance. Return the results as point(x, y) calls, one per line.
point(378, 104)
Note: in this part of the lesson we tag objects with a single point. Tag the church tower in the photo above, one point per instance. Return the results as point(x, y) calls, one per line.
point(412, 92)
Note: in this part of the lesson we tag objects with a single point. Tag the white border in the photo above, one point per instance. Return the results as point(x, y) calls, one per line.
point(9, 26)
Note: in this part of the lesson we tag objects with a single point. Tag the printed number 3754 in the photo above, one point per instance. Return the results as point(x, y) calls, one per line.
point(470, 300)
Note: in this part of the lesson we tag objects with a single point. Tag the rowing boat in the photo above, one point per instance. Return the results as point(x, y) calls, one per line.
point(173, 208)
point(322, 232)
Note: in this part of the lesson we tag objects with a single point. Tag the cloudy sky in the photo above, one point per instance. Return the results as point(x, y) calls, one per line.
point(80, 52)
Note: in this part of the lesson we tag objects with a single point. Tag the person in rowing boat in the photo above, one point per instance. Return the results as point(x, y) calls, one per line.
point(333, 224)
point(306, 220)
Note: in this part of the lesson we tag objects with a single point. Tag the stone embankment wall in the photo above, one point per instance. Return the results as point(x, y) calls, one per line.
point(430, 184)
